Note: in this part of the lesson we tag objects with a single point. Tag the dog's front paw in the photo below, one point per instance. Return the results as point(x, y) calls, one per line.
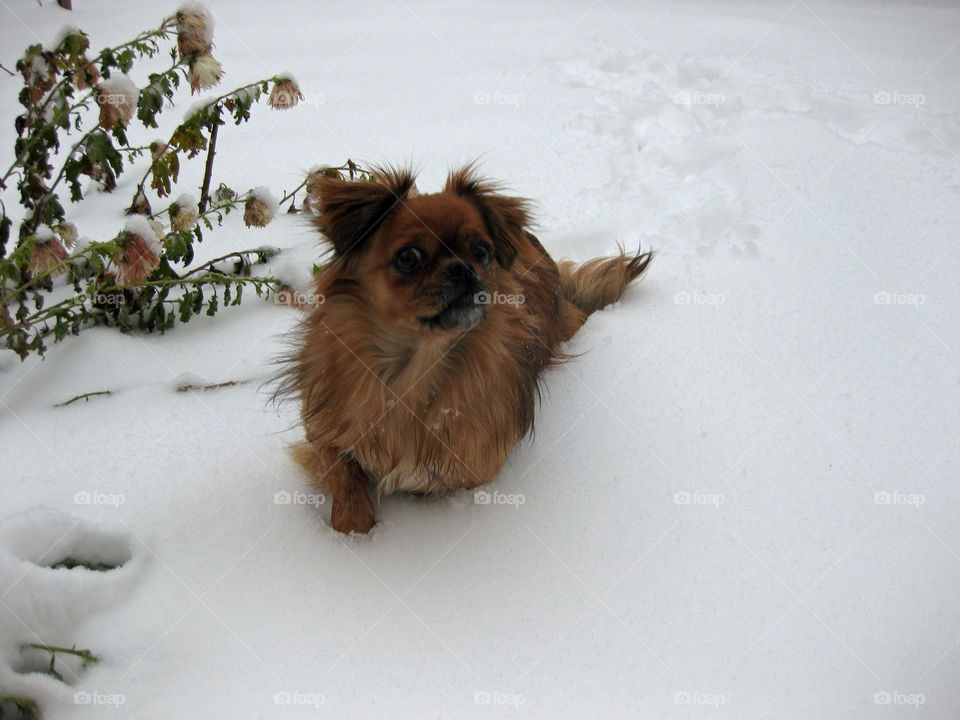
point(352, 514)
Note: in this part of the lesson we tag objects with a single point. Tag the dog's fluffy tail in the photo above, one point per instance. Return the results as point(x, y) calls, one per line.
point(601, 281)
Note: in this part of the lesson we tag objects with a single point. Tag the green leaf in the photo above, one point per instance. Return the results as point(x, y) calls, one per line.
point(164, 271)
point(186, 303)
point(74, 45)
point(158, 316)
point(107, 61)
point(102, 153)
point(179, 248)
point(72, 170)
point(53, 211)
point(125, 60)
point(149, 104)
point(5, 224)
point(61, 329)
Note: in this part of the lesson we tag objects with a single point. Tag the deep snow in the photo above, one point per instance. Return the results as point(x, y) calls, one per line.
point(741, 498)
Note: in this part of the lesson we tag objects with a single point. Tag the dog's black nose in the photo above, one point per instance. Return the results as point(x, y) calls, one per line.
point(460, 272)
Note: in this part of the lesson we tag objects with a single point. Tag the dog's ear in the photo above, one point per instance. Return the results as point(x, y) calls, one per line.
point(505, 217)
point(351, 211)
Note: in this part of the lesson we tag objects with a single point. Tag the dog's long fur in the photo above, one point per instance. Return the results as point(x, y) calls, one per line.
point(389, 393)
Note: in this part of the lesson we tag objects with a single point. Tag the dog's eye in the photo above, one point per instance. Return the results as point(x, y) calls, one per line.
point(481, 253)
point(408, 259)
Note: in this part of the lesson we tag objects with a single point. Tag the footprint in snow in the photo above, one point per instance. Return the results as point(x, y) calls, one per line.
point(674, 128)
point(56, 571)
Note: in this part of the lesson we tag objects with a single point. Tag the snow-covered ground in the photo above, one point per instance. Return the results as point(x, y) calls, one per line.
point(741, 499)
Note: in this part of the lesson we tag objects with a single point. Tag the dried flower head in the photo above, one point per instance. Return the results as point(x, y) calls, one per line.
point(67, 232)
point(139, 253)
point(183, 214)
point(204, 73)
point(117, 98)
point(47, 253)
point(194, 30)
point(260, 208)
point(285, 94)
point(86, 76)
point(158, 228)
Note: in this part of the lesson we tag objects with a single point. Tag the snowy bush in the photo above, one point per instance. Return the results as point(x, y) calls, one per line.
point(52, 283)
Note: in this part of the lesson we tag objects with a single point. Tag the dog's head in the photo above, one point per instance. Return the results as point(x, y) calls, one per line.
point(427, 263)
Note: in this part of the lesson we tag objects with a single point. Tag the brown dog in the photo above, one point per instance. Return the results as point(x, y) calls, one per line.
point(419, 369)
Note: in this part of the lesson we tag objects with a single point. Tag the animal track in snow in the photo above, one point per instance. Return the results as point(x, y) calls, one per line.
point(673, 130)
point(48, 589)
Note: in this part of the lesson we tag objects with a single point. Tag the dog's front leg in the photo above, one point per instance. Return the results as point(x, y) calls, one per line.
point(347, 483)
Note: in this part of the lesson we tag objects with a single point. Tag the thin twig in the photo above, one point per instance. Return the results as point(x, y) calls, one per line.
point(85, 396)
point(84, 655)
point(215, 124)
point(210, 263)
point(350, 167)
point(72, 563)
point(187, 387)
point(289, 195)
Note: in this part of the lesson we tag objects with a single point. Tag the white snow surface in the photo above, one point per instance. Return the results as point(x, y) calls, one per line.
point(741, 497)
point(44, 232)
point(187, 200)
